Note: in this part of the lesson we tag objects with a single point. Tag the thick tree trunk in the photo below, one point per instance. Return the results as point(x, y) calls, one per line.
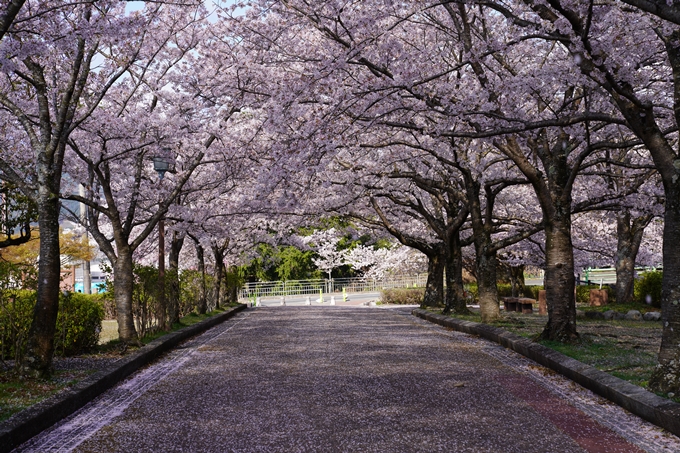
point(122, 293)
point(487, 268)
point(173, 274)
point(560, 281)
point(434, 288)
point(629, 237)
point(202, 303)
point(40, 349)
point(666, 377)
point(455, 294)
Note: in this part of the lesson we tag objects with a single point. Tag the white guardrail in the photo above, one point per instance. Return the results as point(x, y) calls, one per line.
point(328, 286)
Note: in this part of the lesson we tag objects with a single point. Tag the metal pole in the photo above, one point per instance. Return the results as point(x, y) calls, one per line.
point(161, 272)
point(87, 275)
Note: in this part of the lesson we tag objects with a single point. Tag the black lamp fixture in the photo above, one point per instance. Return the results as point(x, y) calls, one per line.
point(163, 164)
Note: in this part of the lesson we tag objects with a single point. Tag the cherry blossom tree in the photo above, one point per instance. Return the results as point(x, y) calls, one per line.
point(60, 61)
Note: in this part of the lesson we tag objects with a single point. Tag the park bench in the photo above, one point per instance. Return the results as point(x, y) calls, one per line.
point(519, 304)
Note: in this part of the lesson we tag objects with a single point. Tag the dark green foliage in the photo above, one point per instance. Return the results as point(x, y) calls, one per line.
point(78, 322)
point(504, 290)
point(648, 283)
point(532, 291)
point(16, 313)
point(295, 264)
point(403, 296)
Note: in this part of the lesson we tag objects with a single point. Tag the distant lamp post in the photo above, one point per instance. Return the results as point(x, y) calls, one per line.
point(162, 165)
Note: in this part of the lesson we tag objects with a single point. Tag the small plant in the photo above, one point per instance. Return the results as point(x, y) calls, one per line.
point(649, 284)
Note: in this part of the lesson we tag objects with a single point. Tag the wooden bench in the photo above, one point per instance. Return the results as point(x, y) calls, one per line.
point(519, 304)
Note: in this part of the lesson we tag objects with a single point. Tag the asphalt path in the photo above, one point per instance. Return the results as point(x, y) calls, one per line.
point(326, 379)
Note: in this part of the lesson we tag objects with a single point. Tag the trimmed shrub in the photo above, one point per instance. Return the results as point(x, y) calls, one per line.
point(648, 283)
point(78, 323)
point(16, 314)
point(403, 296)
point(504, 290)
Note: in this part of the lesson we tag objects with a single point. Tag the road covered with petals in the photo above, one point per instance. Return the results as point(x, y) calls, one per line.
point(302, 379)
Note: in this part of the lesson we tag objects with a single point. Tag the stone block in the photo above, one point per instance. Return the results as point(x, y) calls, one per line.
point(633, 315)
point(598, 297)
point(652, 316)
point(525, 305)
point(608, 315)
point(510, 304)
point(594, 315)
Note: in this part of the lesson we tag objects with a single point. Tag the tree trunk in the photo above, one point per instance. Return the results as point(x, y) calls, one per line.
point(455, 294)
point(218, 255)
point(173, 273)
point(122, 293)
point(162, 310)
point(629, 238)
point(560, 281)
point(666, 377)
point(516, 274)
point(487, 268)
point(485, 256)
point(202, 303)
point(434, 288)
point(40, 348)
point(232, 286)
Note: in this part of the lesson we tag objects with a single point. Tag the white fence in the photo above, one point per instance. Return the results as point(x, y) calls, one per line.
point(336, 285)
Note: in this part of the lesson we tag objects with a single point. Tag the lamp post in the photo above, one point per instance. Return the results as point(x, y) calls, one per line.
point(161, 165)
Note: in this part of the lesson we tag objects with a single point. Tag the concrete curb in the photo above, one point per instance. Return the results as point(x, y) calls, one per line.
point(644, 404)
point(29, 422)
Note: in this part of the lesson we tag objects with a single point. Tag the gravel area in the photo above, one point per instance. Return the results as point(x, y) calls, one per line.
point(294, 379)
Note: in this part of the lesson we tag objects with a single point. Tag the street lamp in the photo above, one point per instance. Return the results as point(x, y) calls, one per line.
point(162, 165)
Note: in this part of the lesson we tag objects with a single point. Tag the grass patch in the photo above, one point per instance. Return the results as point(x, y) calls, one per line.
point(623, 348)
point(17, 394)
point(611, 355)
point(189, 320)
point(622, 308)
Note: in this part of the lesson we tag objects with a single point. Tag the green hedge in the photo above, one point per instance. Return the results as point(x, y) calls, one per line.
point(78, 323)
point(403, 296)
point(648, 283)
point(504, 290)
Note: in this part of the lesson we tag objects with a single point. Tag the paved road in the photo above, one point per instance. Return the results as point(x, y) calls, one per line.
point(325, 379)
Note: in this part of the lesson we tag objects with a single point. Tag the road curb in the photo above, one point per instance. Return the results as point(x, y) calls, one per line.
point(644, 404)
point(29, 422)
